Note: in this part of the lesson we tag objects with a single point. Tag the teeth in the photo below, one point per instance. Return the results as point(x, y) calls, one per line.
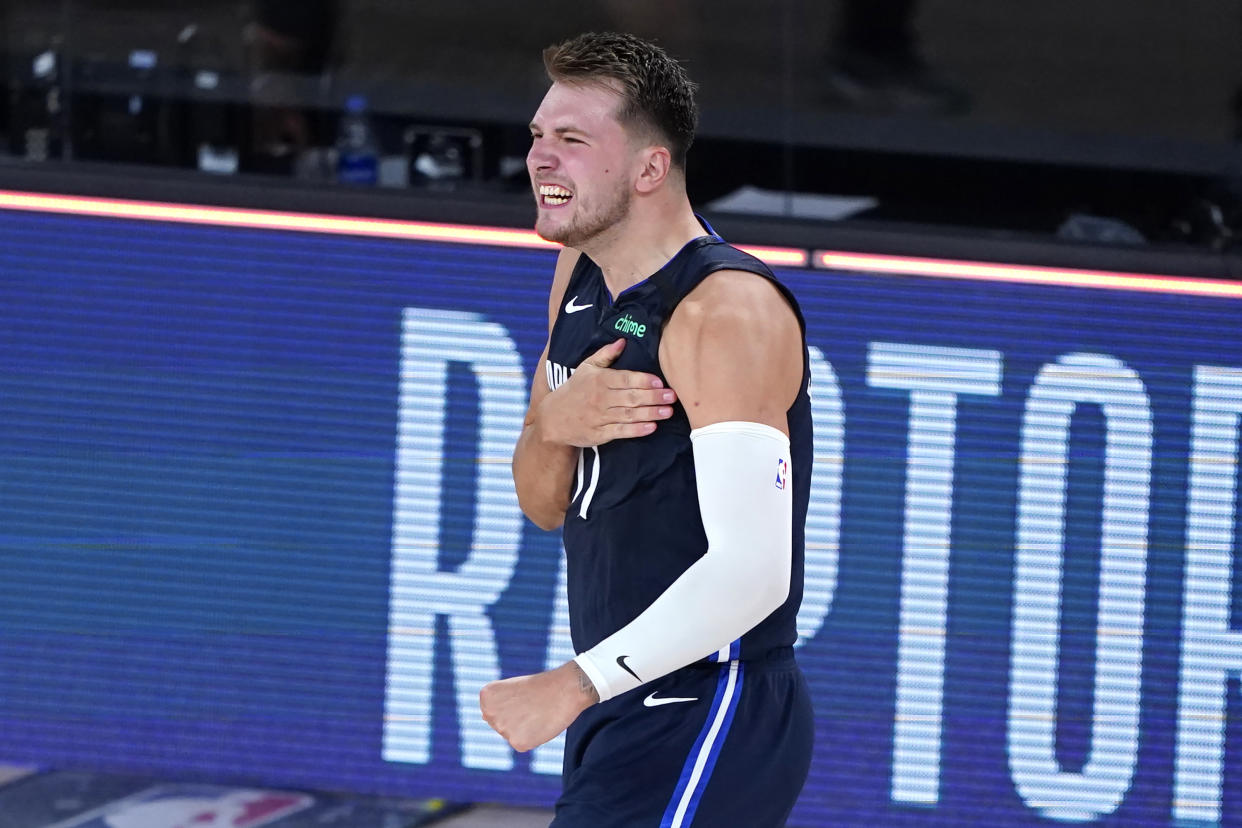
point(553, 194)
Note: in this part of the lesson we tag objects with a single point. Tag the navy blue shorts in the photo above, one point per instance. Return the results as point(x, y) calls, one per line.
point(710, 745)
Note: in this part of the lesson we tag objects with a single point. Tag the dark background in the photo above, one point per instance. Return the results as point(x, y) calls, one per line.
point(988, 118)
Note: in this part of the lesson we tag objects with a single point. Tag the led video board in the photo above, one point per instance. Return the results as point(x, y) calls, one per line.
point(257, 522)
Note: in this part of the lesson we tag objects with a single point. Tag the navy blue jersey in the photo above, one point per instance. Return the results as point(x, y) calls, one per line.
point(633, 524)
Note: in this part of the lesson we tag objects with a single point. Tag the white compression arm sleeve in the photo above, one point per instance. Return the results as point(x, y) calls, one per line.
point(746, 501)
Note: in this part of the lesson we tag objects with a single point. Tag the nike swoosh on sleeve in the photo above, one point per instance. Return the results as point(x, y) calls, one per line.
point(621, 662)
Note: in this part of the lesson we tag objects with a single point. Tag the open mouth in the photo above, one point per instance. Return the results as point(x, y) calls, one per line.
point(550, 195)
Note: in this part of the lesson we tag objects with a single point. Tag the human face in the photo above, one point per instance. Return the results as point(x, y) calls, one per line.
point(579, 163)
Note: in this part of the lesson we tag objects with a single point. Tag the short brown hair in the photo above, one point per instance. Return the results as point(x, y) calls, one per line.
point(658, 95)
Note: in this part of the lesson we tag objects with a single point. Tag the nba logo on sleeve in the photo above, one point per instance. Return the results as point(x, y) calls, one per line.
point(782, 472)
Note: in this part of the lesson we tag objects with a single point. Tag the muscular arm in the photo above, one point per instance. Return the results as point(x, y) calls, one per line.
point(733, 351)
point(542, 470)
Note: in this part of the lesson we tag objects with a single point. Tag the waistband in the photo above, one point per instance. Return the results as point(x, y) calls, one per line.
point(776, 657)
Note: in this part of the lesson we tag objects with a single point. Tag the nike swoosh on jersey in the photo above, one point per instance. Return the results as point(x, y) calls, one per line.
point(571, 307)
point(652, 701)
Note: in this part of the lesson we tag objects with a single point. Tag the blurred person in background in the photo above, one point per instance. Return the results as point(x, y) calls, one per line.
point(876, 64)
point(291, 44)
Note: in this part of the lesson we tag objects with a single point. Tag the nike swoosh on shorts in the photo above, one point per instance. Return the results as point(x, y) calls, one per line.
point(652, 701)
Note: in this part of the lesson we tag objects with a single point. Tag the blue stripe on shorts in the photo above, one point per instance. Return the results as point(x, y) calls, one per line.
point(702, 759)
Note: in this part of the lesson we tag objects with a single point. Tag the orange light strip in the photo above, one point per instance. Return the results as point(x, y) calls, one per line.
point(778, 256)
point(950, 269)
point(313, 223)
point(271, 220)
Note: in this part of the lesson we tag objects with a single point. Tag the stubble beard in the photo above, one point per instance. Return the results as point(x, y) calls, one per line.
point(582, 228)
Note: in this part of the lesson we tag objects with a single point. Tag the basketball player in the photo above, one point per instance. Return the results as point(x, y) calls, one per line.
point(670, 434)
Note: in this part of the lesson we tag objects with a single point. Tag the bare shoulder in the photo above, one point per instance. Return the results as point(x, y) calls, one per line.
point(733, 351)
point(566, 260)
point(738, 296)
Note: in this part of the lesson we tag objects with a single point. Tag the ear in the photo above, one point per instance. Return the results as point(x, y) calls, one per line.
point(655, 161)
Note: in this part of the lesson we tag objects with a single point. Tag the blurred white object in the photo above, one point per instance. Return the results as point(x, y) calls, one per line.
point(757, 201)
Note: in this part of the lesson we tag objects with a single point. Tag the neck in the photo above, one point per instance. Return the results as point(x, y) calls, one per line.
point(642, 243)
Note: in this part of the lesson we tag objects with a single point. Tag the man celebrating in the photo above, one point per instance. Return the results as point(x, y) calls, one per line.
point(670, 434)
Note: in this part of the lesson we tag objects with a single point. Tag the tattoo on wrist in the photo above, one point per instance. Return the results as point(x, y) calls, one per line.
point(585, 685)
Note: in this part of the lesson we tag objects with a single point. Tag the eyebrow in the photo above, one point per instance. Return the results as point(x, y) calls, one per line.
point(562, 130)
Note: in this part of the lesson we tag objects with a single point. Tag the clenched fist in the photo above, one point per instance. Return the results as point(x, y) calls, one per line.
point(530, 710)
